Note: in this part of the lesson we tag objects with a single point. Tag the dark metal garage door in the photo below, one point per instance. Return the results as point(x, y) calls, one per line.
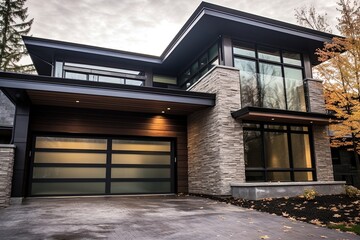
point(98, 166)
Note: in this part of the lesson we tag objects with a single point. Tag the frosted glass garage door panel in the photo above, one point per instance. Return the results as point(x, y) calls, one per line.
point(141, 159)
point(71, 143)
point(140, 187)
point(136, 145)
point(68, 172)
point(67, 188)
point(67, 157)
point(140, 173)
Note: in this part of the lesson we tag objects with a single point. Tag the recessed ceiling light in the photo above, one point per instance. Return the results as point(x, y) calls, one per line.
point(272, 119)
point(162, 111)
point(169, 109)
point(311, 121)
point(77, 101)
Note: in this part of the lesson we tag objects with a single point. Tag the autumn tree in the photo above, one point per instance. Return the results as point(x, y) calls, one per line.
point(13, 24)
point(340, 70)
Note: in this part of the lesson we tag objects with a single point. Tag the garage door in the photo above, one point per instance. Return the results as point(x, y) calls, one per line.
point(98, 166)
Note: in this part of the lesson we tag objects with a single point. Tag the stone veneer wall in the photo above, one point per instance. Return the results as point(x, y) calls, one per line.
point(323, 164)
point(324, 168)
point(7, 111)
point(7, 153)
point(215, 152)
point(316, 95)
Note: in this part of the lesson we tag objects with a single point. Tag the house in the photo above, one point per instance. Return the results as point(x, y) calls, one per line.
point(230, 107)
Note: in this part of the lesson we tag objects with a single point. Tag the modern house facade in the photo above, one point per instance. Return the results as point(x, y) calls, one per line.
point(230, 107)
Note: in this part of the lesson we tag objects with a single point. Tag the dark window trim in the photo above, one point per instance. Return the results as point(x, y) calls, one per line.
point(292, 170)
point(182, 84)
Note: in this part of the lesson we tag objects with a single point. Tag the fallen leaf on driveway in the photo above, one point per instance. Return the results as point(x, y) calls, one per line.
point(264, 237)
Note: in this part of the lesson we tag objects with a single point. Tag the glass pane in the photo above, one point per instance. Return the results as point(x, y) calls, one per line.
point(276, 127)
point(303, 176)
point(164, 79)
point(299, 128)
point(301, 150)
point(71, 143)
point(271, 86)
point(110, 69)
point(278, 177)
point(247, 51)
point(248, 82)
point(111, 79)
point(203, 60)
point(67, 188)
point(269, 54)
point(136, 145)
point(68, 172)
point(292, 58)
point(252, 149)
point(295, 89)
point(140, 187)
point(194, 68)
point(134, 82)
point(276, 150)
point(60, 157)
point(140, 159)
point(73, 75)
point(213, 51)
point(255, 176)
point(140, 173)
point(250, 125)
point(59, 69)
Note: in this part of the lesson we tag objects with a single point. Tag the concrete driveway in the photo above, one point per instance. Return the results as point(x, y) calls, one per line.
point(157, 217)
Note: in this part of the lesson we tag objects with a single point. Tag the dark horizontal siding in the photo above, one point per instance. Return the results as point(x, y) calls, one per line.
point(101, 122)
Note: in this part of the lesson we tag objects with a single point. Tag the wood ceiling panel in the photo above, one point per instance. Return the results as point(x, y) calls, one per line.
point(109, 103)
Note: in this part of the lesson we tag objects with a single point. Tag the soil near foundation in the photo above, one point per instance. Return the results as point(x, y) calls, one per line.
point(335, 211)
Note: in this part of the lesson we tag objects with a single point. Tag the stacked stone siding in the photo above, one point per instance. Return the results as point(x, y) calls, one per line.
point(7, 111)
point(7, 153)
point(215, 153)
point(316, 96)
point(323, 162)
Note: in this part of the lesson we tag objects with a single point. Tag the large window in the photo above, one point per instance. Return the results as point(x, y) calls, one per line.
point(200, 66)
point(99, 74)
point(277, 153)
point(270, 78)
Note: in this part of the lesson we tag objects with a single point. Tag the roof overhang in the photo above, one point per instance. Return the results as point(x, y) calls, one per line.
point(65, 92)
point(280, 116)
point(205, 25)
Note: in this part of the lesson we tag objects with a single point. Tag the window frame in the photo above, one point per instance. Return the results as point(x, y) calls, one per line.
point(88, 71)
point(292, 170)
point(283, 65)
point(200, 69)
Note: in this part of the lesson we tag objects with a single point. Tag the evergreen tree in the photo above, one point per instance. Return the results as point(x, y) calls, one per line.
point(13, 24)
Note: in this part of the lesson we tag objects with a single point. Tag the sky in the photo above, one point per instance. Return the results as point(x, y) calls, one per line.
point(143, 26)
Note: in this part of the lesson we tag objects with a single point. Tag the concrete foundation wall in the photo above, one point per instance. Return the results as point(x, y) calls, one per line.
point(215, 152)
point(255, 191)
point(7, 154)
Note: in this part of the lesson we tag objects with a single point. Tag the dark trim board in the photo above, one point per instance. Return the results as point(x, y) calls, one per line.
point(281, 116)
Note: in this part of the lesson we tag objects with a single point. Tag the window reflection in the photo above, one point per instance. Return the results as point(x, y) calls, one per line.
point(272, 81)
point(277, 153)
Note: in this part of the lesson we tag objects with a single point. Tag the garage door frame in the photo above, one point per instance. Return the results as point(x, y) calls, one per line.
point(108, 165)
